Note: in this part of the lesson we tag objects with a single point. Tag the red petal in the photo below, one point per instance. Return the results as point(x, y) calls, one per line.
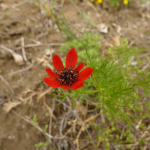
point(80, 66)
point(71, 59)
point(84, 74)
point(51, 73)
point(57, 62)
point(77, 85)
point(65, 87)
point(52, 82)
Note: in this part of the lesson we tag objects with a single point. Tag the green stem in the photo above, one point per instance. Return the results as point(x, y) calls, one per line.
point(96, 82)
point(88, 92)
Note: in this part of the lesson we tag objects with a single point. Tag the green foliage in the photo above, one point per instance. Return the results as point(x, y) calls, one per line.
point(113, 80)
point(114, 85)
point(52, 149)
point(64, 27)
point(45, 129)
point(34, 120)
point(42, 144)
point(89, 41)
point(129, 58)
point(113, 88)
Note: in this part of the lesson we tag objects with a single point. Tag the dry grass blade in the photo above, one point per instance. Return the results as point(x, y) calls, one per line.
point(44, 93)
point(7, 84)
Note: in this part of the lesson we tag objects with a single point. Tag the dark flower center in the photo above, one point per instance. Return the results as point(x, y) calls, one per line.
point(67, 75)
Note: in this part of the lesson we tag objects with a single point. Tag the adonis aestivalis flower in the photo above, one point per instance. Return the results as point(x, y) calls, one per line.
point(69, 76)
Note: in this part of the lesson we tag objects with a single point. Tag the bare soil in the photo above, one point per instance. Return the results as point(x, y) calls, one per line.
point(24, 92)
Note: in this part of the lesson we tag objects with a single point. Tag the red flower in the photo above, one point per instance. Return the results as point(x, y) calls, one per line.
point(69, 76)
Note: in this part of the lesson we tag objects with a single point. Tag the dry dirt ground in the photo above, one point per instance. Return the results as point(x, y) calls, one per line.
point(26, 30)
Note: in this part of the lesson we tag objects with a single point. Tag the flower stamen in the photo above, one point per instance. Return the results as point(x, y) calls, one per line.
point(67, 76)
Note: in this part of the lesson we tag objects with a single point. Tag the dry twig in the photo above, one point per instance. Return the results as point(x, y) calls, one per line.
point(22, 70)
point(23, 49)
point(92, 118)
point(40, 44)
point(78, 119)
point(7, 84)
point(37, 127)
